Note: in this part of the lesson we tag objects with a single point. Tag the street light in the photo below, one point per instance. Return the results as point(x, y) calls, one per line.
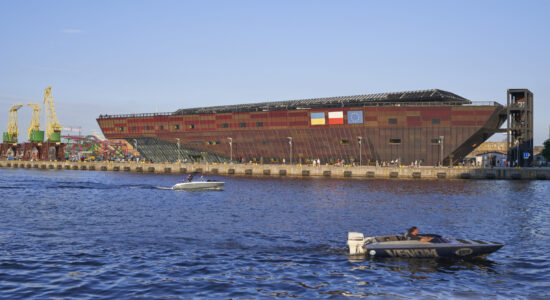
point(360, 140)
point(179, 152)
point(290, 143)
point(230, 149)
point(441, 140)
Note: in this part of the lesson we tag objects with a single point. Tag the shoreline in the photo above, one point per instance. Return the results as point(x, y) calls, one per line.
point(362, 172)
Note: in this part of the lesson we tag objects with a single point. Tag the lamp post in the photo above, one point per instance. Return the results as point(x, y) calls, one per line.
point(441, 140)
point(230, 149)
point(360, 141)
point(179, 153)
point(290, 143)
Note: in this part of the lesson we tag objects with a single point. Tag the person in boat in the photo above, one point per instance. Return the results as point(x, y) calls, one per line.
point(189, 177)
point(412, 234)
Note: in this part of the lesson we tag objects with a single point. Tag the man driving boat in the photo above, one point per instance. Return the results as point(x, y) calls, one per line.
point(412, 234)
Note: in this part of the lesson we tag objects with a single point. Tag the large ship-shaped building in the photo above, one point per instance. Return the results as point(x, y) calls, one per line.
point(430, 126)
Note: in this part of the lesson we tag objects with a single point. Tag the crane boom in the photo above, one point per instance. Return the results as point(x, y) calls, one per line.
point(13, 130)
point(53, 128)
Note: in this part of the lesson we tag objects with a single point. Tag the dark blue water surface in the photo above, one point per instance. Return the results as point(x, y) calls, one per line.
point(86, 234)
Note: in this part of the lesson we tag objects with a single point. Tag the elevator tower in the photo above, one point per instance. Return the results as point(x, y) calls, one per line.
point(519, 130)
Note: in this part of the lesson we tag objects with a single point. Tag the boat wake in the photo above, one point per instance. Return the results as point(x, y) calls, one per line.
point(163, 188)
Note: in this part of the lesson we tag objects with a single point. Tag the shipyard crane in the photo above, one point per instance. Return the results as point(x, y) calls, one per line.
point(34, 132)
point(13, 130)
point(53, 128)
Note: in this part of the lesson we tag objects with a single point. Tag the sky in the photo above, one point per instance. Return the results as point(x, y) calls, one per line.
point(119, 57)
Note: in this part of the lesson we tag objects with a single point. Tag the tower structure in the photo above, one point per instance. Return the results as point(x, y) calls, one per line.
point(520, 127)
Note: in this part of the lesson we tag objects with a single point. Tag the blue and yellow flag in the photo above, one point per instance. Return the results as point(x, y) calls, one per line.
point(318, 118)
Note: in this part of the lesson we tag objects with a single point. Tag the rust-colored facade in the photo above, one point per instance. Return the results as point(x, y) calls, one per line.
point(430, 126)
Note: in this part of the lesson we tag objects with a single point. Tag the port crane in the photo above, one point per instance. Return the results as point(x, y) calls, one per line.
point(13, 130)
point(53, 128)
point(34, 132)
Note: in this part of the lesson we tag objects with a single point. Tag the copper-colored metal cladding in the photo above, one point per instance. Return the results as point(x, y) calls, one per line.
point(430, 126)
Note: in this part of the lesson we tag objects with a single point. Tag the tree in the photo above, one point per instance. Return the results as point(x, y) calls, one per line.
point(546, 151)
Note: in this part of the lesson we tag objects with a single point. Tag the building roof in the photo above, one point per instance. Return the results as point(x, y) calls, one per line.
point(405, 98)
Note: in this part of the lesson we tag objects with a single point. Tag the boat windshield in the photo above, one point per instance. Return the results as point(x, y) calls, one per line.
point(436, 238)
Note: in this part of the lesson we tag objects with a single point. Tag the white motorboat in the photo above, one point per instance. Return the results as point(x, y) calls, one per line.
point(199, 185)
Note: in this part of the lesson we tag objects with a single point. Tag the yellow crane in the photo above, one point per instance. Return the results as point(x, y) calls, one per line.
point(13, 131)
point(53, 128)
point(34, 132)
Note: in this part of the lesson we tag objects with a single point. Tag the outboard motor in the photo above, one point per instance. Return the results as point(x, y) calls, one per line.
point(356, 240)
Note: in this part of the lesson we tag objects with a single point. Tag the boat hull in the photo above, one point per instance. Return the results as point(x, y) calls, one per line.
point(200, 185)
point(433, 251)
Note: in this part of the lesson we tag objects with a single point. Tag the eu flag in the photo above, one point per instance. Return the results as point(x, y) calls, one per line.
point(355, 117)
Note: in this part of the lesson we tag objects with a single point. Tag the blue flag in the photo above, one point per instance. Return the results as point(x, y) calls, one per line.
point(355, 117)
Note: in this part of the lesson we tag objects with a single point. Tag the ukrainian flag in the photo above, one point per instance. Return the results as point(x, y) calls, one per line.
point(318, 118)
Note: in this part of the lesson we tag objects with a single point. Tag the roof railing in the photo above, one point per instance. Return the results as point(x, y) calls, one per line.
point(233, 109)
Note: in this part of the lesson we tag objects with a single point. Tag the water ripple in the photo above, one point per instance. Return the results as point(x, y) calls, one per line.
point(105, 235)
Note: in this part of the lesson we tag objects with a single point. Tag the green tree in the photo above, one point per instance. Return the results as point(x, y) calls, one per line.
point(546, 151)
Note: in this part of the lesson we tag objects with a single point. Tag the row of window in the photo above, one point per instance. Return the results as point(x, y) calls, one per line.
point(392, 121)
point(342, 142)
point(192, 126)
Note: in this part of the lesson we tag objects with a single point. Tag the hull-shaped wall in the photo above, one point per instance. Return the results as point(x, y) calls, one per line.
point(428, 134)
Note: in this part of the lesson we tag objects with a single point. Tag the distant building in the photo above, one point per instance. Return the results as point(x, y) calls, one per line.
point(538, 159)
point(491, 159)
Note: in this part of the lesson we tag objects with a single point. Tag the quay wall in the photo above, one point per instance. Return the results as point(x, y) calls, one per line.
point(363, 172)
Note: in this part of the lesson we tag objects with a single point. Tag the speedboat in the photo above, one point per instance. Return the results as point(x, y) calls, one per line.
point(199, 185)
point(399, 246)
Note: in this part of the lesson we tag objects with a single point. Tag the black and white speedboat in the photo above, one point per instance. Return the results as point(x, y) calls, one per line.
point(399, 246)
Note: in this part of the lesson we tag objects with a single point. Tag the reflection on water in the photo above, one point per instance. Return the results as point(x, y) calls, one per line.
point(111, 235)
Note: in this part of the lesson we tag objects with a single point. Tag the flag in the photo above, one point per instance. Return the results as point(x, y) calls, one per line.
point(355, 117)
point(318, 118)
point(336, 117)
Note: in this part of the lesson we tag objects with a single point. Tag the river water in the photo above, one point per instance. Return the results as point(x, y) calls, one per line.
point(87, 234)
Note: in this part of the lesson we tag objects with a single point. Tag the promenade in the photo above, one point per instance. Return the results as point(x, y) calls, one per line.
point(330, 171)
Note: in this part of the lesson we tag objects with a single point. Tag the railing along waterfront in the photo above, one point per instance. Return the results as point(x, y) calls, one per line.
point(303, 171)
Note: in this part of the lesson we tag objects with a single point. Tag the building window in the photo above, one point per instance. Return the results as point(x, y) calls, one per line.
point(161, 127)
point(259, 124)
point(242, 124)
point(436, 121)
point(435, 141)
point(392, 121)
point(121, 128)
point(147, 127)
point(344, 142)
point(191, 126)
point(395, 141)
point(133, 128)
point(176, 127)
point(225, 125)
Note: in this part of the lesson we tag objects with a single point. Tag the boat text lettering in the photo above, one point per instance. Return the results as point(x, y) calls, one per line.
point(412, 253)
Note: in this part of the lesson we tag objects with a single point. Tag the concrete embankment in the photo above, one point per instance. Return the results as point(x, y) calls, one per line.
point(363, 172)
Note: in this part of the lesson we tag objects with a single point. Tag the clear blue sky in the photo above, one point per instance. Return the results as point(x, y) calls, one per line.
point(144, 56)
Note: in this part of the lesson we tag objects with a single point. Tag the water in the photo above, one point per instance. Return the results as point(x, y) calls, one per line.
point(85, 234)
